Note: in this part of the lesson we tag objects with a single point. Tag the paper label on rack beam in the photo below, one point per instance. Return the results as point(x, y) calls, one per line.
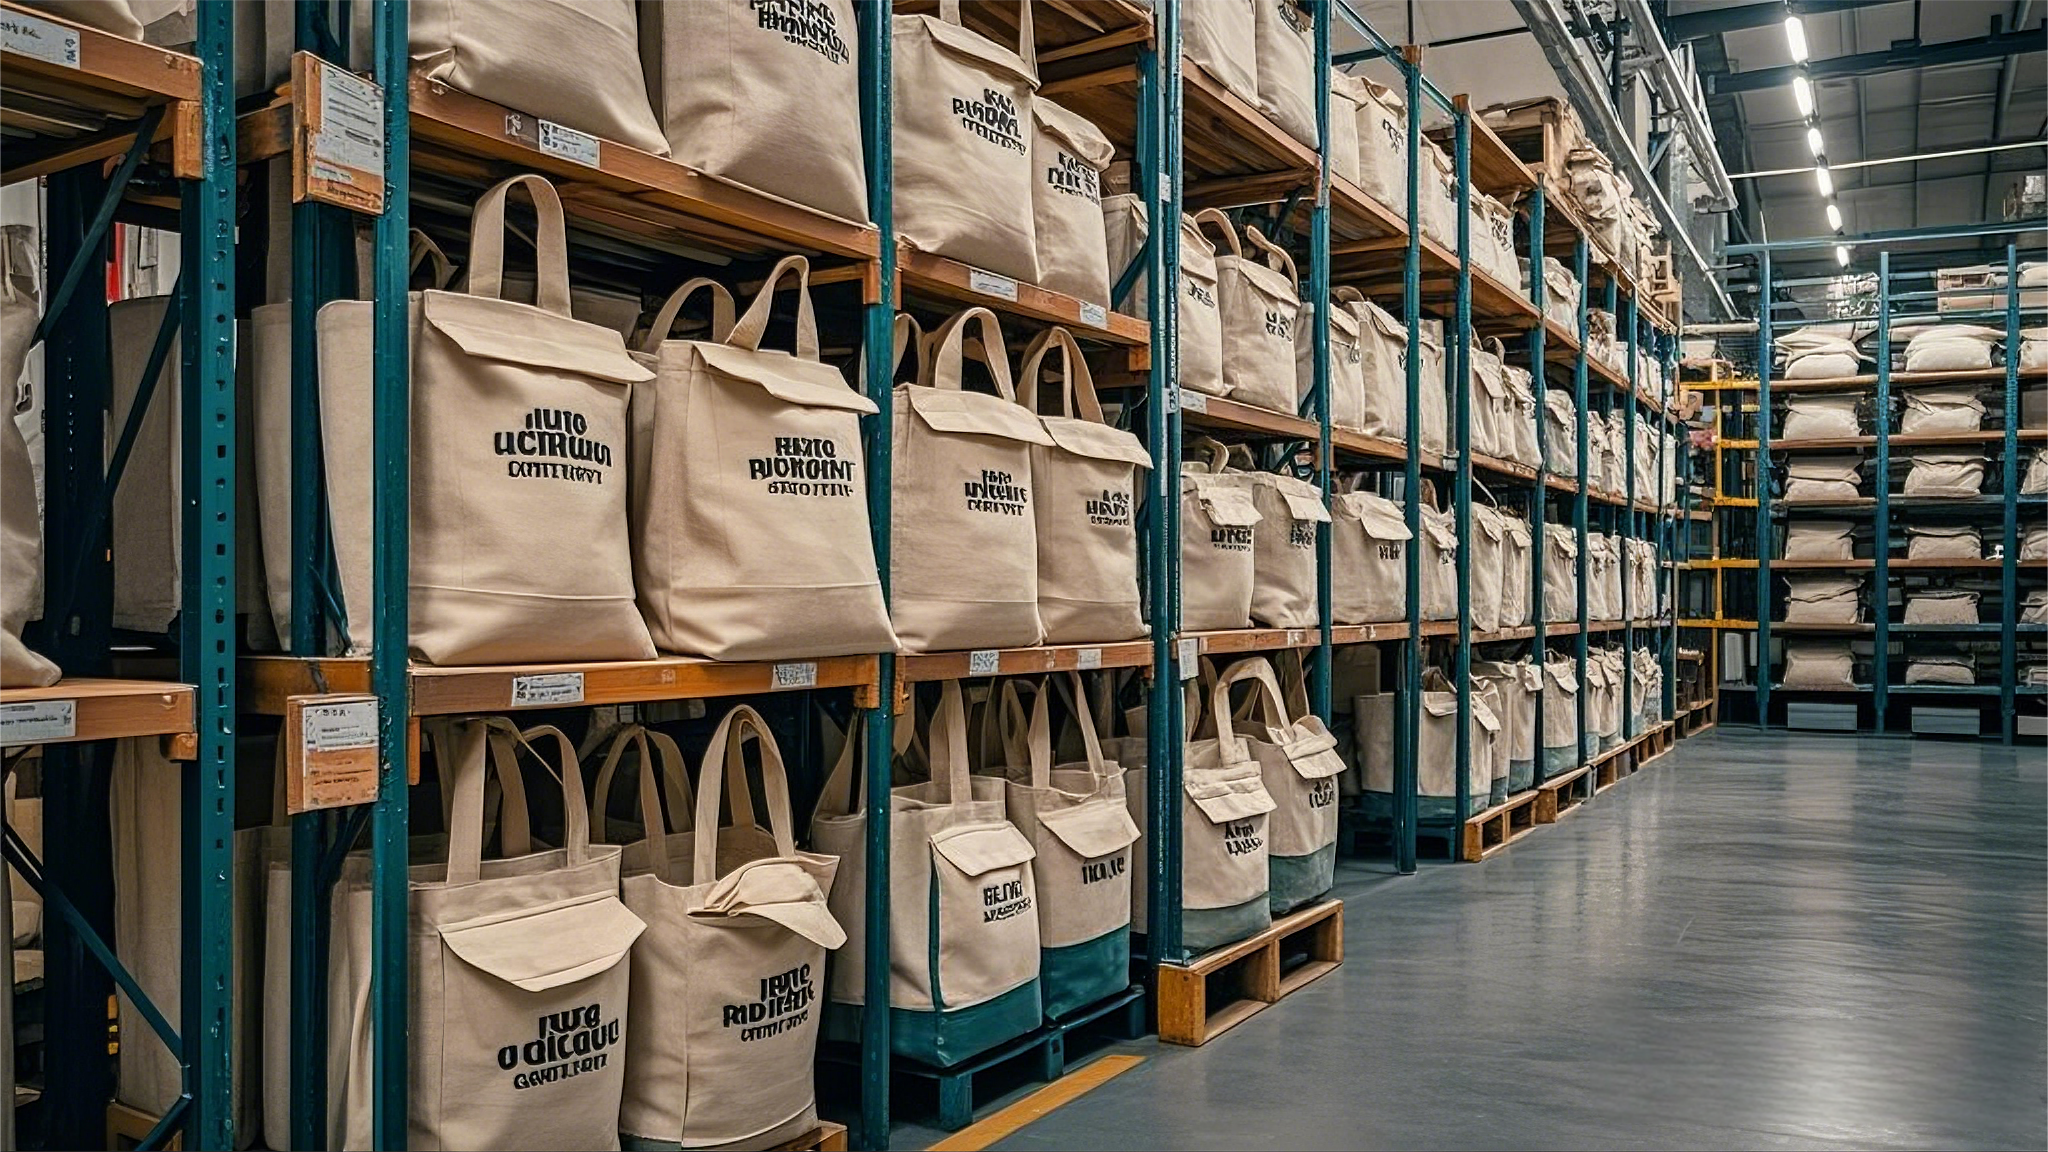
point(351, 131)
point(990, 284)
point(1192, 401)
point(547, 688)
point(44, 40)
point(984, 662)
point(1189, 657)
point(1088, 659)
point(568, 143)
point(41, 720)
point(335, 727)
point(1094, 315)
point(796, 675)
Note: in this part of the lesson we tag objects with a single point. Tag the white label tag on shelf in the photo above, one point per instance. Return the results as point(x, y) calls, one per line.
point(1088, 658)
point(1094, 315)
point(1296, 637)
point(984, 662)
point(1189, 657)
point(796, 674)
point(44, 40)
point(990, 284)
point(39, 721)
point(547, 688)
point(335, 727)
point(568, 143)
point(1193, 401)
point(351, 131)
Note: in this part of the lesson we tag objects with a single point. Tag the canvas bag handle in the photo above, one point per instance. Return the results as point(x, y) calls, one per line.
point(665, 319)
point(551, 246)
point(836, 797)
point(1294, 684)
point(948, 737)
point(422, 249)
point(1075, 694)
point(1027, 47)
point(503, 781)
point(1277, 258)
point(654, 824)
point(1077, 383)
point(465, 833)
point(1215, 450)
point(754, 324)
point(729, 742)
point(947, 352)
point(1256, 669)
point(1215, 217)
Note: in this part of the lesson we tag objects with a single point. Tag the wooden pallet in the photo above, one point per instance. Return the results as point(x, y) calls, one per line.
point(1498, 827)
point(826, 1137)
point(1247, 976)
point(1560, 794)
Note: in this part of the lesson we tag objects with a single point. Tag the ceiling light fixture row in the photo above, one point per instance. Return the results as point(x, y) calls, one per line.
point(1803, 96)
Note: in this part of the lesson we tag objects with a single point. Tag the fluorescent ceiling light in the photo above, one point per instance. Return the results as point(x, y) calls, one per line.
point(1813, 142)
point(1842, 255)
point(1834, 218)
point(1826, 181)
point(1802, 92)
point(1795, 36)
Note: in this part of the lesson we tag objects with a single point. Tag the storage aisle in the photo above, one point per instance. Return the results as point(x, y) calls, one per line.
point(1773, 941)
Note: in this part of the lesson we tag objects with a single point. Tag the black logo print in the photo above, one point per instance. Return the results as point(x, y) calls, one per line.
point(1279, 324)
point(784, 1005)
point(1201, 294)
point(997, 491)
point(807, 23)
point(1003, 900)
point(1241, 837)
point(1322, 793)
point(1231, 537)
point(556, 433)
point(1110, 509)
point(1073, 177)
point(993, 118)
point(565, 1045)
point(803, 466)
point(1107, 868)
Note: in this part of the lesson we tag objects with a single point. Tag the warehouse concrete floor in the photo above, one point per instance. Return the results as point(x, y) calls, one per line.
point(1761, 941)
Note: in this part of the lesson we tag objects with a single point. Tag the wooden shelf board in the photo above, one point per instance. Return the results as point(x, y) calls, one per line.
point(1495, 168)
point(916, 667)
point(928, 275)
point(1898, 380)
point(104, 709)
point(59, 116)
point(1253, 640)
point(1369, 633)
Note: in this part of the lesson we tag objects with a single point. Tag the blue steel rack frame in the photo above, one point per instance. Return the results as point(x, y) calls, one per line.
point(1891, 308)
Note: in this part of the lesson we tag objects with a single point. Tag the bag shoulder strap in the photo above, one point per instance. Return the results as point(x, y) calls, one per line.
point(754, 324)
point(681, 797)
point(948, 350)
point(551, 245)
point(842, 785)
point(671, 308)
point(1277, 258)
point(948, 741)
point(1215, 218)
point(1077, 383)
point(729, 744)
point(423, 250)
point(1027, 38)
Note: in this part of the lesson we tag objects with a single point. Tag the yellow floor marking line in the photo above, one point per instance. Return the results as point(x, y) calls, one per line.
point(1039, 1104)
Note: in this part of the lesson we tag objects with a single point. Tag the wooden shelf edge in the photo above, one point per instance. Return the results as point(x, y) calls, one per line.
point(101, 709)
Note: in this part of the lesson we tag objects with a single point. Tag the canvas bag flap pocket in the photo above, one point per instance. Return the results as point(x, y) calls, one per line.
point(956, 413)
point(1381, 519)
point(1306, 507)
point(1092, 830)
point(1228, 794)
point(790, 379)
point(1226, 505)
point(555, 945)
point(1311, 751)
point(1098, 441)
point(977, 849)
point(524, 334)
point(790, 891)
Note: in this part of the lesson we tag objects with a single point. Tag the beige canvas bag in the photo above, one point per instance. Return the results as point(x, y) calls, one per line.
point(1217, 535)
point(1259, 308)
point(1439, 558)
point(1824, 600)
point(1225, 823)
point(1285, 43)
point(2033, 348)
point(1201, 325)
point(1944, 474)
point(1346, 94)
point(1087, 488)
point(1516, 571)
point(1489, 432)
point(1347, 359)
point(1489, 534)
point(1560, 574)
point(1951, 348)
point(1825, 358)
point(1598, 194)
point(574, 62)
point(2034, 610)
point(1561, 292)
point(519, 975)
point(1368, 559)
point(1821, 540)
point(1943, 542)
point(1812, 417)
point(1495, 222)
point(1068, 155)
point(735, 445)
point(1562, 749)
point(1382, 144)
point(1603, 701)
point(1942, 410)
point(764, 95)
point(2034, 544)
point(963, 554)
point(1617, 458)
point(1518, 441)
point(21, 517)
point(725, 982)
point(1438, 196)
point(1284, 550)
point(1819, 664)
point(1383, 340)
point(1561, 433)
point(1600, 565)
point(1821, 478)
point(1489, 741)
point(1436, 747)
point(551, 393)
point(1942, 606)
point(2035, 481)
point(1076, 819)
point(1433, 390)
point(1642, 570)
point(1941, 670)
point(1298, 763)
point(146, 523)
point(1222, 36)
point(962, 141)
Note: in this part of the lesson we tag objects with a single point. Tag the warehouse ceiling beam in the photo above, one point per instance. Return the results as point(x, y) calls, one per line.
point(1700, 25)
point(1900, 57)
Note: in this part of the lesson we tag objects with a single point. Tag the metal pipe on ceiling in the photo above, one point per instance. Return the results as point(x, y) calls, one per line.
point(1807, 169)
point(1677, 96)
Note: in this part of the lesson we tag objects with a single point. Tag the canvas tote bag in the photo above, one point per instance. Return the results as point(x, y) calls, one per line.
point(21, 517)
point(1811, 417)
point(1942, 410)
point(1368, 556)
point(1346, 92)
point(575, 62)
point(1943, 542)
point(1383, 144)
point(2035, 481)
point(1433, 389)
point(520, 974)
point(1944, 474)
point(1285, 43)
point(1942, 606)
point(1823, 478)
point(1519, 442)
point(1298, 763)
point(1489, 742)
point(551, 394)
point(964, 559)
point(1823, 600)
point(962, 145)
point(1516, 571)
point(1436, 753)
point(1284, 550)
point(1489, 534)
point(2033, 351)
point(2034, 544)
point(1068, 155)
point(1347, 360)
point(1384, 341)
point(1201, 325)
point(1439, 564)
point(1217, 537)
point(1259, 308)
point(1602, 577)
point(1562, 749)
point(724, 996)
point(1603, 701)
point(1087, 490)
point(1561, 434)
point(1225, 824)
point(1560, 574)
point(1489, 400)
point(1819, 664)
point(1075, 817)
point(749, 492)
point(1222, 37)
point(764, 95)
point(2034, 610)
